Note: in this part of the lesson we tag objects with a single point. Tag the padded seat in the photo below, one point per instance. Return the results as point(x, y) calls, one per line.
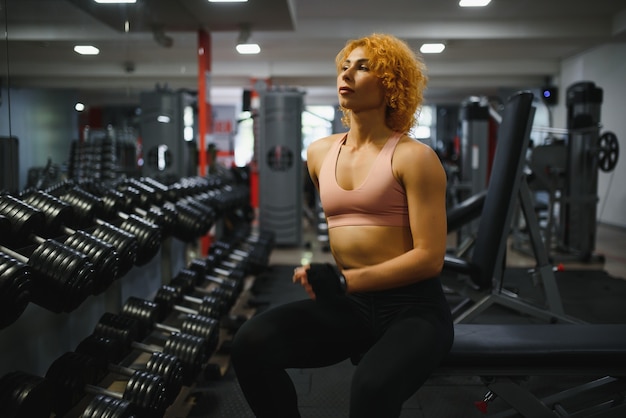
point(505, 349)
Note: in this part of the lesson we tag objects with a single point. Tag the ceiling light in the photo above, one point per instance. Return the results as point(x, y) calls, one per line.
point(248, 48)
point(86, 50)
point(474, 3)
point(228, 1)
point(115, 1)
point(436, 48)
point(243, 46)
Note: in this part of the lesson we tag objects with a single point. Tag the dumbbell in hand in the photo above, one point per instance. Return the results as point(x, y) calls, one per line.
point(74, 375)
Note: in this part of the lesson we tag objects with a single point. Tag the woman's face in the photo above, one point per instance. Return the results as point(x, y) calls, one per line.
point(359, 88)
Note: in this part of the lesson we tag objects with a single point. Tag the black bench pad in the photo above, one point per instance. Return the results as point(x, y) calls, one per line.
point(507, 347)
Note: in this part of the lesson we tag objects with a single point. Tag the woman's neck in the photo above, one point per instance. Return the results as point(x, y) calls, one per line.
point(367, 129)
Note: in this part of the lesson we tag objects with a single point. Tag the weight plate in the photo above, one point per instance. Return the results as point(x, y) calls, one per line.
point(608, 151)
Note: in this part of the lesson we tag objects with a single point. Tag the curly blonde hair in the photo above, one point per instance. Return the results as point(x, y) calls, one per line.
point(403, 76)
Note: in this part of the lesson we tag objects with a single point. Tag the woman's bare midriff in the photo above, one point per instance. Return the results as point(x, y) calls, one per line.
point(359, 246)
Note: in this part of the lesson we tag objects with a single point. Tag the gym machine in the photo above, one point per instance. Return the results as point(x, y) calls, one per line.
point(470, 178)
point(167, 148)
point(280, 164)
point(568, 170)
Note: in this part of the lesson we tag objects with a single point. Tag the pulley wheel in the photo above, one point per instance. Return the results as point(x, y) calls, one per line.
point(608, 151)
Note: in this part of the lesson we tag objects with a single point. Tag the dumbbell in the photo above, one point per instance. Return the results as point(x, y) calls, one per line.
point(15, 289)
point(60, 217)
point(216, 306)
point(191, 350)
point(74, 375)
point(128, 200)
point(89, 209)
point(24, 395)
point(229, 277)
point(27, 222)
point(169, 298)
point(63, 276)
point(186, 281)
point(103, 406)
point(194, 218)
point(190, 216)
point(108, 353)
point(252, 249)
point(101, 250)
point(148, 313)
point(212, 191)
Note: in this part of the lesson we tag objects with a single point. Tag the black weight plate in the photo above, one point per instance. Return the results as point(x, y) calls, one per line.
point(146, 391)
point(56, 212)
point(103, 349)
point(608, 151)
point(148, 238)
point(170, 369)
point(23, 395)
point(102, 255)
point(125, 244)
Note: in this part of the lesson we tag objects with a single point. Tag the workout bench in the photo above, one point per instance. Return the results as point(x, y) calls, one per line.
point(505, 355)
point(478, 276)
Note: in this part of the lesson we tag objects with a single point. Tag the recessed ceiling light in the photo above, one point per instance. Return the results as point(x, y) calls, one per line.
point(248, 48)
point(115, 1)
point(86, 50)
point(228, 1)
point(435, 48)
point(474, 3)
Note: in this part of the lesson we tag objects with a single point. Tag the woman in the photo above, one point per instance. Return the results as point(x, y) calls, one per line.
point(383, 194)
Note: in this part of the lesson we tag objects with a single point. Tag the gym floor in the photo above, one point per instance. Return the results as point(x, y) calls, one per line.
point(323, 392)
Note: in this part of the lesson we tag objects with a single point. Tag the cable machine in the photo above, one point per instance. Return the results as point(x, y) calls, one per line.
point(567, 169)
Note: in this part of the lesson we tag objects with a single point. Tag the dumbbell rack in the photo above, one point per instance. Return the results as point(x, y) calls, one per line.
point(138, 359)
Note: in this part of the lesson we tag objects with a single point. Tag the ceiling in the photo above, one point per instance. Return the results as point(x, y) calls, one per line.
point(510, 44)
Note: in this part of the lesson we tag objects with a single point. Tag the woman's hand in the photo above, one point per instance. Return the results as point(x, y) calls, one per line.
point(300, 276)
point(322, 281)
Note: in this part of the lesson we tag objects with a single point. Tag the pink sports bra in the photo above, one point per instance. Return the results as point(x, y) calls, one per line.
point(379, 201)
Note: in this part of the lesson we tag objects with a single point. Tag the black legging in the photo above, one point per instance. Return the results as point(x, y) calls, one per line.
point(404, 333)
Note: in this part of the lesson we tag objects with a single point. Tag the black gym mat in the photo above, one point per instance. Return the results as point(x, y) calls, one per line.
point(591, 295)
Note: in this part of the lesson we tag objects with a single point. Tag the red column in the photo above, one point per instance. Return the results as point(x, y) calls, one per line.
point(204, 112)
point(204, 107)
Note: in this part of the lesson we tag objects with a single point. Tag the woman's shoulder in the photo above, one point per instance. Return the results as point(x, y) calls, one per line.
point(415, 153)
point(322, 145)
point(415, 147)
